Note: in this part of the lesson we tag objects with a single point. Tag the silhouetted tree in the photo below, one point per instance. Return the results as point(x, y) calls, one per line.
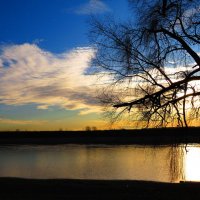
point(88, 128)
point(153, 62)
point(94, 128)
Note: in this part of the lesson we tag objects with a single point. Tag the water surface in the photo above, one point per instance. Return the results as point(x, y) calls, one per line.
point(132, 162)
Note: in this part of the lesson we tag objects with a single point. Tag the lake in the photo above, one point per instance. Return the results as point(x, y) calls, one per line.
point(132, 162)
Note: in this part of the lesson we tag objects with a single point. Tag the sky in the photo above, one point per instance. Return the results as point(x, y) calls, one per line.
point(44, 55)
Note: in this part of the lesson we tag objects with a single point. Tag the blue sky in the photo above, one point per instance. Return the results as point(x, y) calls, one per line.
point(57, 25)
point(44, 52)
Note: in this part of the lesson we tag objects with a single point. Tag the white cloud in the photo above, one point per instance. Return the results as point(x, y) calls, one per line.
point(93, 7)
point(29, 74)
point(43, 107)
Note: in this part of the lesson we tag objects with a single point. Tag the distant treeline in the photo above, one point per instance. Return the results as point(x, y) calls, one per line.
point(158, 136)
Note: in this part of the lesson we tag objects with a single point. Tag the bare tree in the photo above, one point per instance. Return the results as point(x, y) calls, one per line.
point(152, 61)
point(88, 128)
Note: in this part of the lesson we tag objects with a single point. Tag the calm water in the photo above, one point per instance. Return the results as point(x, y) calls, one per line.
point(168, 164)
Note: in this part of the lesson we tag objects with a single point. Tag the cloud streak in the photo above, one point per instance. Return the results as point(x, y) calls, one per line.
point(29, 74)
point(92, 7)
point(21, 122)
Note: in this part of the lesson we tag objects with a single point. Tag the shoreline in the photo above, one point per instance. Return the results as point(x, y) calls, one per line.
point(18, 188)
point(162, 136)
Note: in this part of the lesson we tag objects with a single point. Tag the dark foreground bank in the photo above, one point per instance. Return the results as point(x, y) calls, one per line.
point(19, 189)
point(162, 136)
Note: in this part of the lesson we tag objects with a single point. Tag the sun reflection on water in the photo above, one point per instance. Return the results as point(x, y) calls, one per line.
point(192, 163)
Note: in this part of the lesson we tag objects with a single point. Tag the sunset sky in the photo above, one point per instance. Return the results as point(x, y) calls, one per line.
point(44, 57)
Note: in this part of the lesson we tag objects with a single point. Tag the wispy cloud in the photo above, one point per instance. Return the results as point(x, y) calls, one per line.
point(92, 7)
point(21, 122)
point(29, 74)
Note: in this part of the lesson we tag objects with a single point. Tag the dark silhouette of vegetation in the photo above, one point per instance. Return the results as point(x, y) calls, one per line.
point(94, 128)
point(153, 62)
point(88, 128)
point(163, 136)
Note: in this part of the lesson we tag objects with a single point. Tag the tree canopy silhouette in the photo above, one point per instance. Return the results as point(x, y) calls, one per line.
point(153, 61)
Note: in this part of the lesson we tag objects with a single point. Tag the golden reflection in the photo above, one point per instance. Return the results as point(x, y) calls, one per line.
point(192, 164)
point(176, 163)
